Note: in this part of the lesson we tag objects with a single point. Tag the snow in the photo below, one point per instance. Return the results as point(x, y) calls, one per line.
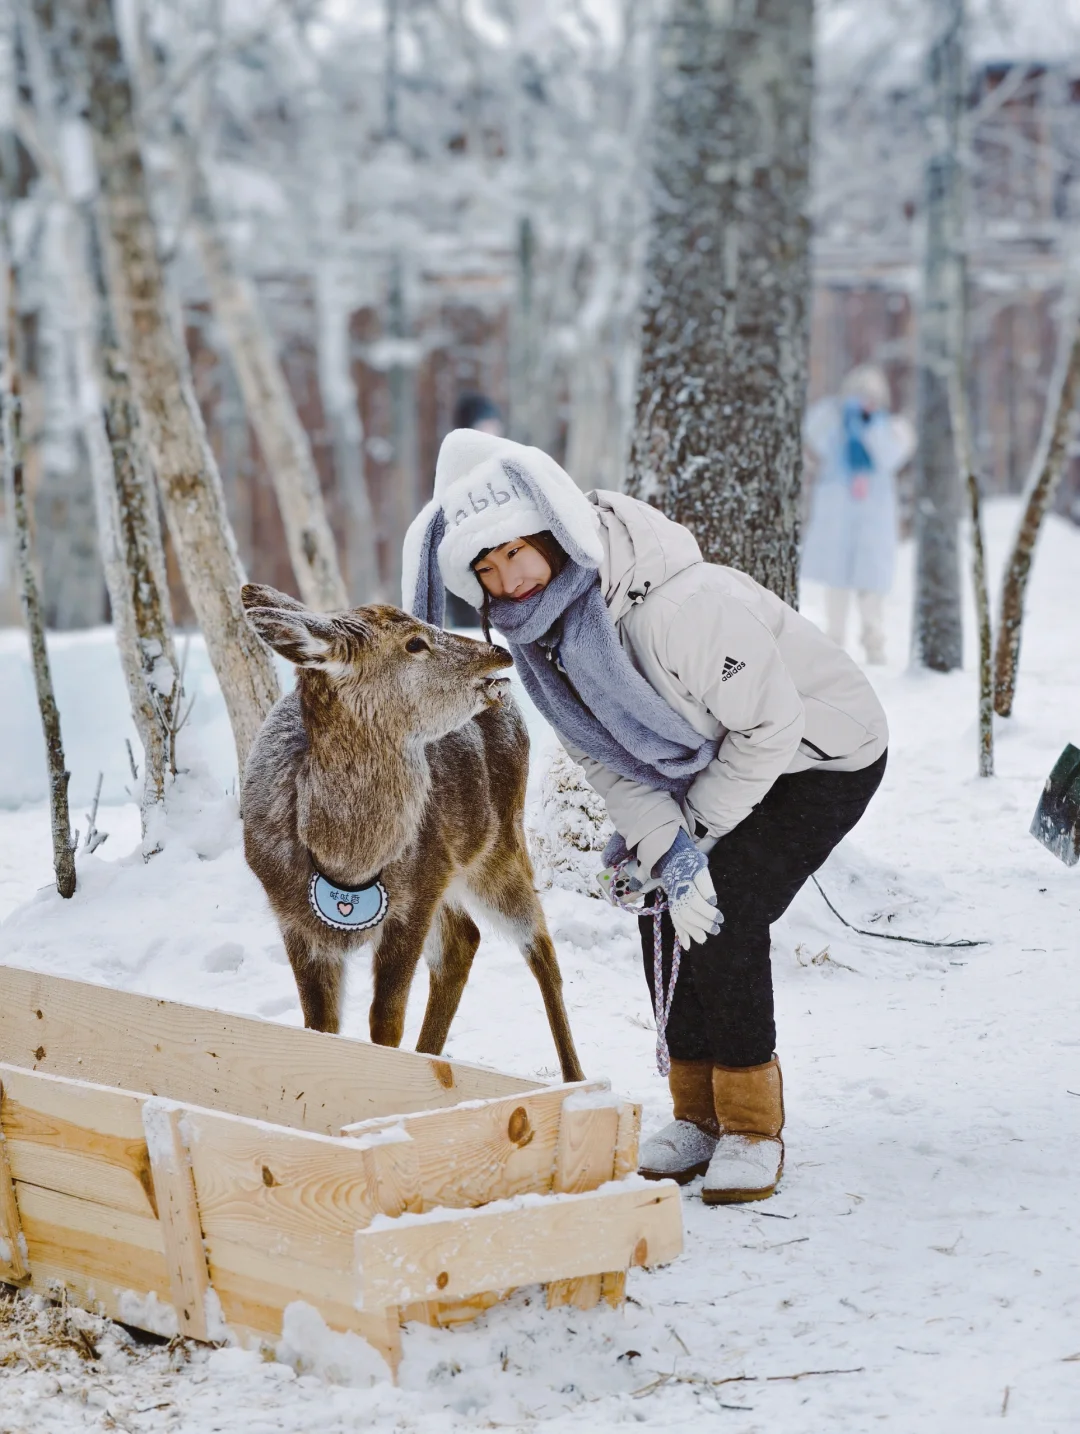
point(919, 1267)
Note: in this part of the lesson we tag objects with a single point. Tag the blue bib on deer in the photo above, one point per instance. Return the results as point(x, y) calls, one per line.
point(357, 910)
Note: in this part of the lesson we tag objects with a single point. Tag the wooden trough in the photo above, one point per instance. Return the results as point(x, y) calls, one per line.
point(192, 1172)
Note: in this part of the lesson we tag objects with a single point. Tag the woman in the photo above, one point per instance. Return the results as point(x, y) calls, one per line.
point(733, 743)
point(850, 541)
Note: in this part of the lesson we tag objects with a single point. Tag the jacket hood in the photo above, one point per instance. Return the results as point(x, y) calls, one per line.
point(642, 549)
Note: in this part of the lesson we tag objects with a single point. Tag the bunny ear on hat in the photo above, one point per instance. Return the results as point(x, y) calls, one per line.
point(422, 590)
point(564, 508)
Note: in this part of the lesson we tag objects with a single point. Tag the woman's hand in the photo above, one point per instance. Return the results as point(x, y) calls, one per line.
point(684, 875)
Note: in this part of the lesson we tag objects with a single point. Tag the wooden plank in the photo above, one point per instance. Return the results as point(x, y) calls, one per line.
point(84, 1139)
point(178, 1211)
point(452, 1254)
point(585, 1160)
point(201, 1057)
point(108, 1249)
point(254, 1307)
point(448, 1314)
point(613, 1282)
point(14, 1262)
point(306, 1194)
point(53, 1278)
point(486, 1150)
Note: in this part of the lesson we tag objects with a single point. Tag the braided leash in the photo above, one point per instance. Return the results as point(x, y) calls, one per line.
point(662, 995)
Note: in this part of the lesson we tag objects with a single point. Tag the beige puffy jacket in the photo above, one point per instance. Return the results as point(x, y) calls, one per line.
point(738, 663)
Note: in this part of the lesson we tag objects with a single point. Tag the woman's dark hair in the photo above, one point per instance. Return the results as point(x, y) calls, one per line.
point(546, 544)
point(474, 408)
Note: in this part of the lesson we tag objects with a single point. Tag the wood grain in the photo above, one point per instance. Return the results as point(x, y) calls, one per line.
point(108, 1249)
point(259, 1185)
point(585, 1159)
point(456, 1255)
point(14, 1266)
point(485, 1151)
point(613, 1282)
point(201, 1057)
point(80, 1138)
point(178, 1212)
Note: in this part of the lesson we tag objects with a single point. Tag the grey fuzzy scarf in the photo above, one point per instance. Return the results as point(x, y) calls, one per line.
point(574, 668)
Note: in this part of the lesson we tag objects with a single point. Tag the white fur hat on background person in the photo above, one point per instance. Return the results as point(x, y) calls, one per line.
point(869, 385)
point(487, 491)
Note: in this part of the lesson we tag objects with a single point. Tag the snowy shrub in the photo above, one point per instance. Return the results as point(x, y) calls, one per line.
point(567, 828)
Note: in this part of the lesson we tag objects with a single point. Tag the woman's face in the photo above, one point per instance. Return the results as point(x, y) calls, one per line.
point(515, 570)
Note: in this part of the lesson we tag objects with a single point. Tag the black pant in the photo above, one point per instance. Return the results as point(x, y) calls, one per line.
point(722, 1010)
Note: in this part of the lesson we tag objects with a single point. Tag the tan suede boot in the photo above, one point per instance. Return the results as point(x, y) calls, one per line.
point(749, 1155)
point(684, 1148)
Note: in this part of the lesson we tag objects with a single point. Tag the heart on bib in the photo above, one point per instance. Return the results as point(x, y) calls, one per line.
point(345, 907)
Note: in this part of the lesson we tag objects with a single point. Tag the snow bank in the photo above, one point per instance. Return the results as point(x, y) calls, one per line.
point(919, 1264)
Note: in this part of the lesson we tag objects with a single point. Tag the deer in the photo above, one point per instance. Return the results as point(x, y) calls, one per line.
point(383, 798)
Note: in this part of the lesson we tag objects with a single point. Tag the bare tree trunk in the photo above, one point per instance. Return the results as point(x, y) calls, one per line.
point(965, 454)
point(63, 841)
point(270, 407)
point(135, 563)
point(939, 633)
point(11, 461)
point(72, 585)
point(187, 474)
point(722, 381)
point(1047, 466)
point(341, 406)
point(401, 378)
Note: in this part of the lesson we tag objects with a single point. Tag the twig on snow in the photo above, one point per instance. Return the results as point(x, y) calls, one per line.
point(94, 838)
point(1005, 1402)
point(739, 1379)
point(890, 935)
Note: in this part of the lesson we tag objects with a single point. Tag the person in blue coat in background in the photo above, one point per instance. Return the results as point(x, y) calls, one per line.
point(850, 540)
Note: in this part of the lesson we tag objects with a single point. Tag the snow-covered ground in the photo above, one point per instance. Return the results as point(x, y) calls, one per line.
point(920, 1266)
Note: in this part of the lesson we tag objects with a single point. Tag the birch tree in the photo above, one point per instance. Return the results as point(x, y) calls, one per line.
point(717, 442)
point(126, 504)
point(938, 634)
point(11, 466)
point(1047, 466)
point(187, 474)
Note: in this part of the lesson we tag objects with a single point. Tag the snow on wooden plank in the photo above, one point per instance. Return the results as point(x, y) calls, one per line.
point(528, 1240)
point(584, 1161)
point(178, 1212)
point(255, 1068)
point(254, 1305)
point(485, 1150)
point(613, 1282)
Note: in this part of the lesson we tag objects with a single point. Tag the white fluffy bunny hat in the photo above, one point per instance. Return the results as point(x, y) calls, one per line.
point(487, 491)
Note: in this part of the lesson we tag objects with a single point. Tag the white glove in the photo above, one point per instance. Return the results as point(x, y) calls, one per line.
point(691, 895)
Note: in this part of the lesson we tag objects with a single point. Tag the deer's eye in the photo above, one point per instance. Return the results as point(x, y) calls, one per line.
point(417, 644)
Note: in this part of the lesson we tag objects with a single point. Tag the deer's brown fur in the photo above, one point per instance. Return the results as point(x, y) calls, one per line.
point(409, 765)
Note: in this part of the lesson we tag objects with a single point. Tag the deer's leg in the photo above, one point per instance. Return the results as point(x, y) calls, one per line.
point(508, 892)
point(396, 956)
point(320, 980)
point(449, 964)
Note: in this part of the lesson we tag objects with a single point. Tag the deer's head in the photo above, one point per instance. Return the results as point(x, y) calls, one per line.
point(390, 670)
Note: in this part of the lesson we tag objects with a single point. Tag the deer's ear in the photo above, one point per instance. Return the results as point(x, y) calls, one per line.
point(254, 595)
point(305, 638)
